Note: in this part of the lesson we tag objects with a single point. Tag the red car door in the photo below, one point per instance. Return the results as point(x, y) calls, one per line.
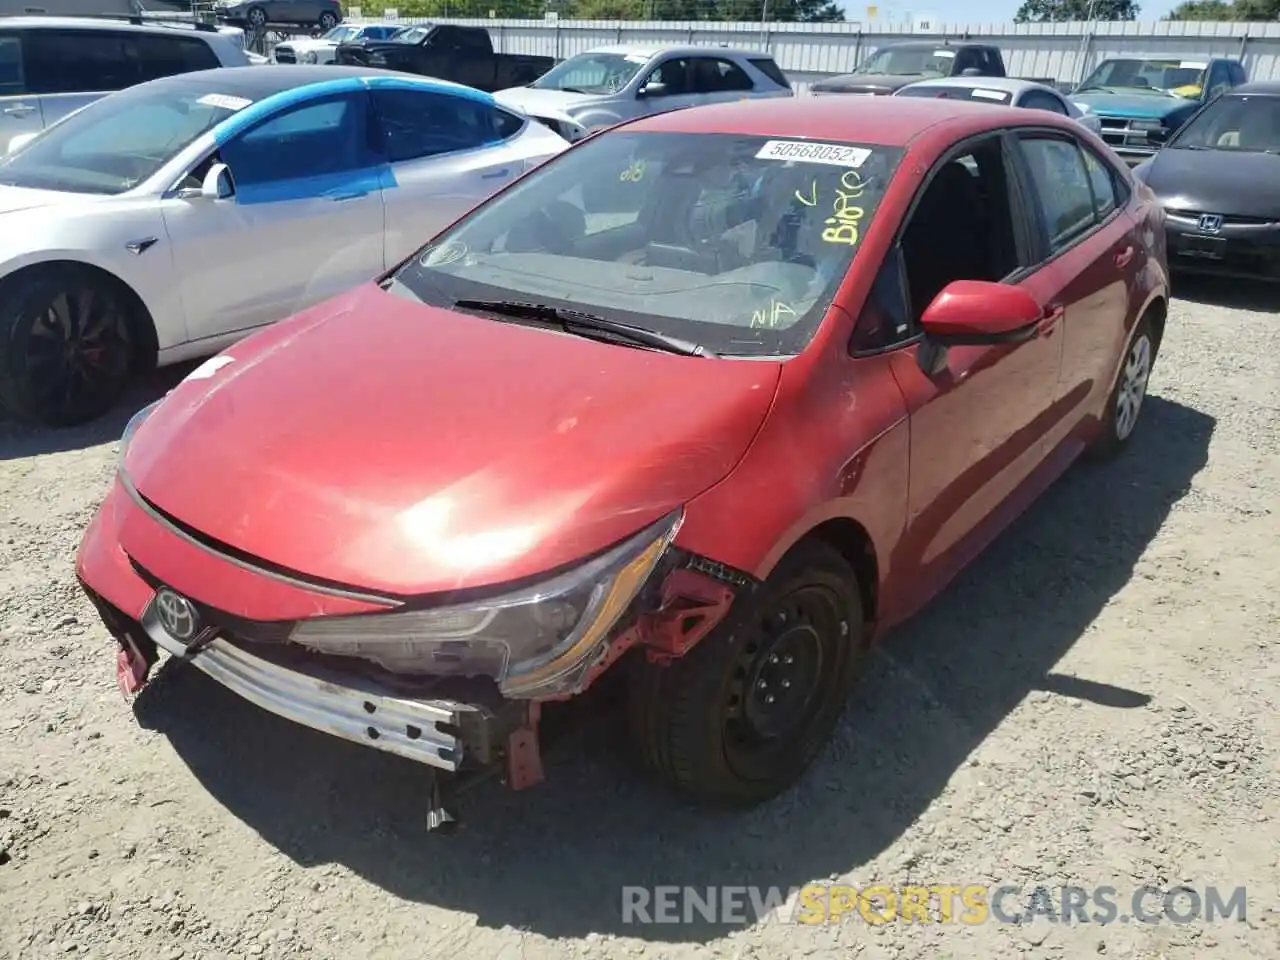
point(977, 421)
point(1092, 252)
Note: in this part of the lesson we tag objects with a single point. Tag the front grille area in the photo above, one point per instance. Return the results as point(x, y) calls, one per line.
point(1119, 132)
point(1228, 219)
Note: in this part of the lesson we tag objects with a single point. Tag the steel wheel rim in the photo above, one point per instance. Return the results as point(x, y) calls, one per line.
point(77, 349)
point(1133, 386)
point(790, 657)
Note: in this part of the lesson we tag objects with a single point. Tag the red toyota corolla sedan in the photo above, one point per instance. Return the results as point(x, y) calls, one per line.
point(712, 398)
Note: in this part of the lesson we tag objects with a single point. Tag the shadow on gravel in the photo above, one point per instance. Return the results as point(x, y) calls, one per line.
point(554, 859)
point(18, 440)
point(1227, 292)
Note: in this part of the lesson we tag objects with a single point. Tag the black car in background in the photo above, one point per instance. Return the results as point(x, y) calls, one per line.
point(1218, 179)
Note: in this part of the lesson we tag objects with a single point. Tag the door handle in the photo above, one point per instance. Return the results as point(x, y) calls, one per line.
point(496, 174)
point(1124, 256)
point(338, 196)
point(19, 110)
point(1049, 321)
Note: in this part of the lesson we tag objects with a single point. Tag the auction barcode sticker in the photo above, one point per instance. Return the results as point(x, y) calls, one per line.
point(806, 151)
point(223, 101)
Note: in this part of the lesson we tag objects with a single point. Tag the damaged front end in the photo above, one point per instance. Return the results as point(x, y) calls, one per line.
point(457, 686)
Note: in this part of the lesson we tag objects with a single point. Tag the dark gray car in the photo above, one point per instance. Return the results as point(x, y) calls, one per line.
point(256, 14)
point(1218, 180)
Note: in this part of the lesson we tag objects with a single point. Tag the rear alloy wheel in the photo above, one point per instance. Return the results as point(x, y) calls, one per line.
point(739, 718)
point(1125, 405)
point(67, 350)
point(256, 18)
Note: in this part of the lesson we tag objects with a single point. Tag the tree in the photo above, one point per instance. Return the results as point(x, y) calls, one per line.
point(1059, 11)
point(1249, 11)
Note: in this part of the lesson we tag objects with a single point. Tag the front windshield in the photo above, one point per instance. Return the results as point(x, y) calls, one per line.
point(956, 92)
point(1247, 123)
point(737, 243)
point(117, 142)
point(339, 34)
point(411, 35)
point(909, 62)
point(1183, 78)
point(592, 73)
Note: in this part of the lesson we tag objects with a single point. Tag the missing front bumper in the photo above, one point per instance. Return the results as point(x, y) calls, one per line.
point(351, 707)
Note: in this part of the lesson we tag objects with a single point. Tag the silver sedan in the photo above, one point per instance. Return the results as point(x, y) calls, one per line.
point(611, 84)
point(1006, 90)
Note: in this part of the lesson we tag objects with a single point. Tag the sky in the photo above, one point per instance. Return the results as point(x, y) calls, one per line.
point(975, 11)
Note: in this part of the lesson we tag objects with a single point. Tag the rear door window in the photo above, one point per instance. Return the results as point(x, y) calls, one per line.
point(713, 75)
point(157, 56)
point(415, 124)
point(10, 65)
point(770, 69)
point(1040, 100)
point(1062, 181)
point(76, 61)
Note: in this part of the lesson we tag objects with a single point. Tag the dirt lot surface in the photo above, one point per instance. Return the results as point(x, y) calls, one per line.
point(1093, 703)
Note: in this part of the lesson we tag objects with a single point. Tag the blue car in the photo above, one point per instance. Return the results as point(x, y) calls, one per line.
point(1142, 101)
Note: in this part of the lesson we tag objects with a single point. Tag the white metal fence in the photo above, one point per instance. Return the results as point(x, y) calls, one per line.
point(809, 51)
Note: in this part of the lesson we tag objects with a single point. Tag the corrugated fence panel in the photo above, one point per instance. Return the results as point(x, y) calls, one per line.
point(1062, 52)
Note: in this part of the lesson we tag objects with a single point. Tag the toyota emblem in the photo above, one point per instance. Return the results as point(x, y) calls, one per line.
point(177, 615)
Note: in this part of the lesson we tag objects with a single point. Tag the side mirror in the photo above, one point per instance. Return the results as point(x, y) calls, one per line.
point(980, 313)
point(217, 183)
point(652, 89)
point(18, 142)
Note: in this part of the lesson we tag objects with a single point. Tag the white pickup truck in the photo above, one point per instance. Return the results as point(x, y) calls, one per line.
point(321, 49)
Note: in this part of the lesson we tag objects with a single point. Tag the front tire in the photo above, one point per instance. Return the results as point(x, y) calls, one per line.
point(1124, 407)
point(67, 348)
point(328, 21)
point(739, 719)
point(256, 18)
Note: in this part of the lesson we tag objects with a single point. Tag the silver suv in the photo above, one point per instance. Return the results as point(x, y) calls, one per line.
point(53, 66)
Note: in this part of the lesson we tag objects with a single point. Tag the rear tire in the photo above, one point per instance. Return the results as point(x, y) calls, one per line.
point(256, 18)
point(739, 719)
point(328, 21)
point(1125, 404)
point(67, 346)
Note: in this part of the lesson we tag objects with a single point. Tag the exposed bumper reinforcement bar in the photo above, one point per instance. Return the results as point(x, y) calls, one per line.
point(352, 708)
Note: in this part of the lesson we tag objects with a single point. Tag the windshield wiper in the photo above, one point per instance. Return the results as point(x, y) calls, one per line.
point(575, 321)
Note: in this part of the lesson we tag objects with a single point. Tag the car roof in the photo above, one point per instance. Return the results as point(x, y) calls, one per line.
point(1008, 84)
point(103, 23)
point(887, 121)
point(260, 82)
point(649, 50)
point(1269, 88)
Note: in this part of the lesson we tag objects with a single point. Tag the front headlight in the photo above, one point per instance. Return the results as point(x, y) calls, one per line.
point(539, 640)
point(132, 426)
point(307, 56)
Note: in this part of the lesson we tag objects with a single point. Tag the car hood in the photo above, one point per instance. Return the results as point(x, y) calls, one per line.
point(875, 83)
point(1229, 182)
point(1138, 106)
point(380, 443)
point(541, 103)
point(13, 199)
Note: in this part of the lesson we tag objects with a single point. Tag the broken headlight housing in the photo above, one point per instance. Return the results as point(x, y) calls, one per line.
point(535, 641)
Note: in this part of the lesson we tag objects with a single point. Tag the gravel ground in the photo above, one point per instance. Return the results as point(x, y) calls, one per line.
point(1093, 703)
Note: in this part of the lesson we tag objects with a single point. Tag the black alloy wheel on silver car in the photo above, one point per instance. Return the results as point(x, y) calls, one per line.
point(328, 20)
point(739, 718)
point(67, 347)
